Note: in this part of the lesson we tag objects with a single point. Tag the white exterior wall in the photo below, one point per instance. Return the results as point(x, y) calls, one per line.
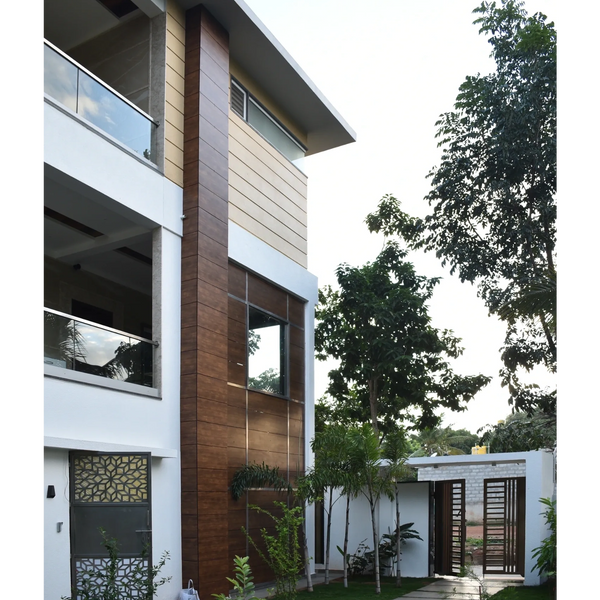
point(414, 508)
point(255, 255)
point(92, 413)
point(540, 484)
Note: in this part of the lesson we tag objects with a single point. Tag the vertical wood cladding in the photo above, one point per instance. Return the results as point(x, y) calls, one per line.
point(204, 305)
point(263, 427)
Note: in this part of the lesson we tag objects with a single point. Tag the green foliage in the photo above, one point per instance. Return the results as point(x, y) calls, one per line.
point(492, 197)
point(521, 432)
point(104, 583)
point(243, 583)
point(282, 548)
point(268, 381)
point(255, 475)
point(545, 554)
point(362, 560)
point(393, 364)
point(441, 441)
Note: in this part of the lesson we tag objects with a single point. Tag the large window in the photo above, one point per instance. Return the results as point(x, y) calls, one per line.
point(249, 109)
point(266, 353)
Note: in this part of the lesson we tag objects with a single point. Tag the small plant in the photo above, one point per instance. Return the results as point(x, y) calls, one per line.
point(359, 562)
point(103, 582)
point(546, 553)
point(483, 591)
point(243, 583)
point(283, 549)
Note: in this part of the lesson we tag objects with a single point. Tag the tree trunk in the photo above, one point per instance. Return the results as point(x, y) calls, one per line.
point(398, 541)
point(328, 541)
point(373, 403)
point(309, 585)
point(376, 551)
point(346, 541)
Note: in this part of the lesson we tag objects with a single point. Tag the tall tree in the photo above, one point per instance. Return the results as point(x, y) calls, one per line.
point(393, 364)
point(493, 194)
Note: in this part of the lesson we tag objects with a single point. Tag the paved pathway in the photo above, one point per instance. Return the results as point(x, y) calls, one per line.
point(457, 588)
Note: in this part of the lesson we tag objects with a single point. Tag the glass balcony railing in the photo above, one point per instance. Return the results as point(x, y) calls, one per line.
point(77, 89)
point(87, 347)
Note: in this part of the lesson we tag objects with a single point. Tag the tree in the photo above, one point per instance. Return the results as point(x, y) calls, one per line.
point(365, 457)
point(395, 451)
point(521, 432)
point(493, 217)
point(331, 470)
point(392, 362)
point(440, 441)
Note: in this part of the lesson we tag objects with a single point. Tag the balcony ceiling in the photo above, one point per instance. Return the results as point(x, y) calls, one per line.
point(81, 231)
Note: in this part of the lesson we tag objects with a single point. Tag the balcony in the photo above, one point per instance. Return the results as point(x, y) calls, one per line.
point(79, 90)
point(79, 345)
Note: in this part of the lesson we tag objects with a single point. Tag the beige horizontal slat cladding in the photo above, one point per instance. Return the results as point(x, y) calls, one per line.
point(259, 174)
point(175, 71)
point(173, 172)
point(176, 22)
point(176, 63)
point(176, 46)
point(267, 213)
point(174, 117)
point(266, 235)
point(174, 99)
point(240, 131)
point(175, 136)
point(175, 80)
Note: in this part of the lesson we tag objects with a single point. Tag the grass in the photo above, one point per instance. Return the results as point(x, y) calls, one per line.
point(361, 586)
point(539, 592)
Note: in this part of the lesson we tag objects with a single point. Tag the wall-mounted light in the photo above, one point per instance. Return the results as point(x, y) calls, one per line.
point(51, 493)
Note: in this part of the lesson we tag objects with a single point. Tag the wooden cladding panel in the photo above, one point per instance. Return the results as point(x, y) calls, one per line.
point(267, 296)
point(204, 309)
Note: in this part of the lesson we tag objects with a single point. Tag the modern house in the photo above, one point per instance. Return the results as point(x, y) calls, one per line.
point(178, 309)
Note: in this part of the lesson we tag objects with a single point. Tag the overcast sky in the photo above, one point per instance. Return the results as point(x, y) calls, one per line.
point(390, 68)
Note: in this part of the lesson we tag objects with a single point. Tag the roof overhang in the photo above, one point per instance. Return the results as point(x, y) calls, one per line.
point(256, 50)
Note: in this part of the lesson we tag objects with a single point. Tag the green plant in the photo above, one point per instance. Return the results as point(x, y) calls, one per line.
point(357, 563)
point(243, 583)
point(103, 582)
point(546, 553)
point(483, 591)
point(282, 549)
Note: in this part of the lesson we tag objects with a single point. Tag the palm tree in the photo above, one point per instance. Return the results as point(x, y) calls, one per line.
point(395, 450)
point(365, 459)
point(330, 472)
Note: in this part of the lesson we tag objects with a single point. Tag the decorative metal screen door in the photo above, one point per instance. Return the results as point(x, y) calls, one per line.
point(450, 526)
point(504, 526)
point(109, 492)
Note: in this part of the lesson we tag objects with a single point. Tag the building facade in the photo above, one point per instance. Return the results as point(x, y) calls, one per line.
point(178, 309)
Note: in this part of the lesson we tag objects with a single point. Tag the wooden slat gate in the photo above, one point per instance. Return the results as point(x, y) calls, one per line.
point(450, 526)
point(504, 526)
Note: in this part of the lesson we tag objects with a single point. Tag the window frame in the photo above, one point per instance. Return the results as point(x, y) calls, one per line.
point(248, 97)
point(284, 357)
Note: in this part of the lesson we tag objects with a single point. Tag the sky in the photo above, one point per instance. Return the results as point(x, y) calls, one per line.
point(390, 68)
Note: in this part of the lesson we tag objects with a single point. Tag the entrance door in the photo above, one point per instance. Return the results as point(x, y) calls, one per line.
point(109, 492)
point(504, 526)
point(450, 526)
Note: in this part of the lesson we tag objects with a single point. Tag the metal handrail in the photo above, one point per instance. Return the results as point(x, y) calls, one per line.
point(102, 83)
point(98, 326)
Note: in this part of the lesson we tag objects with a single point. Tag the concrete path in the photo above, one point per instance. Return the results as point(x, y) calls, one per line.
point(457, 588)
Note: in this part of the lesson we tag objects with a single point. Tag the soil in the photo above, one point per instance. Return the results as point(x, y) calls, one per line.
point(474, 554)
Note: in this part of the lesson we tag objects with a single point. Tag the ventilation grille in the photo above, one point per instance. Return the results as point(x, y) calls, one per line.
point(238, 100)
